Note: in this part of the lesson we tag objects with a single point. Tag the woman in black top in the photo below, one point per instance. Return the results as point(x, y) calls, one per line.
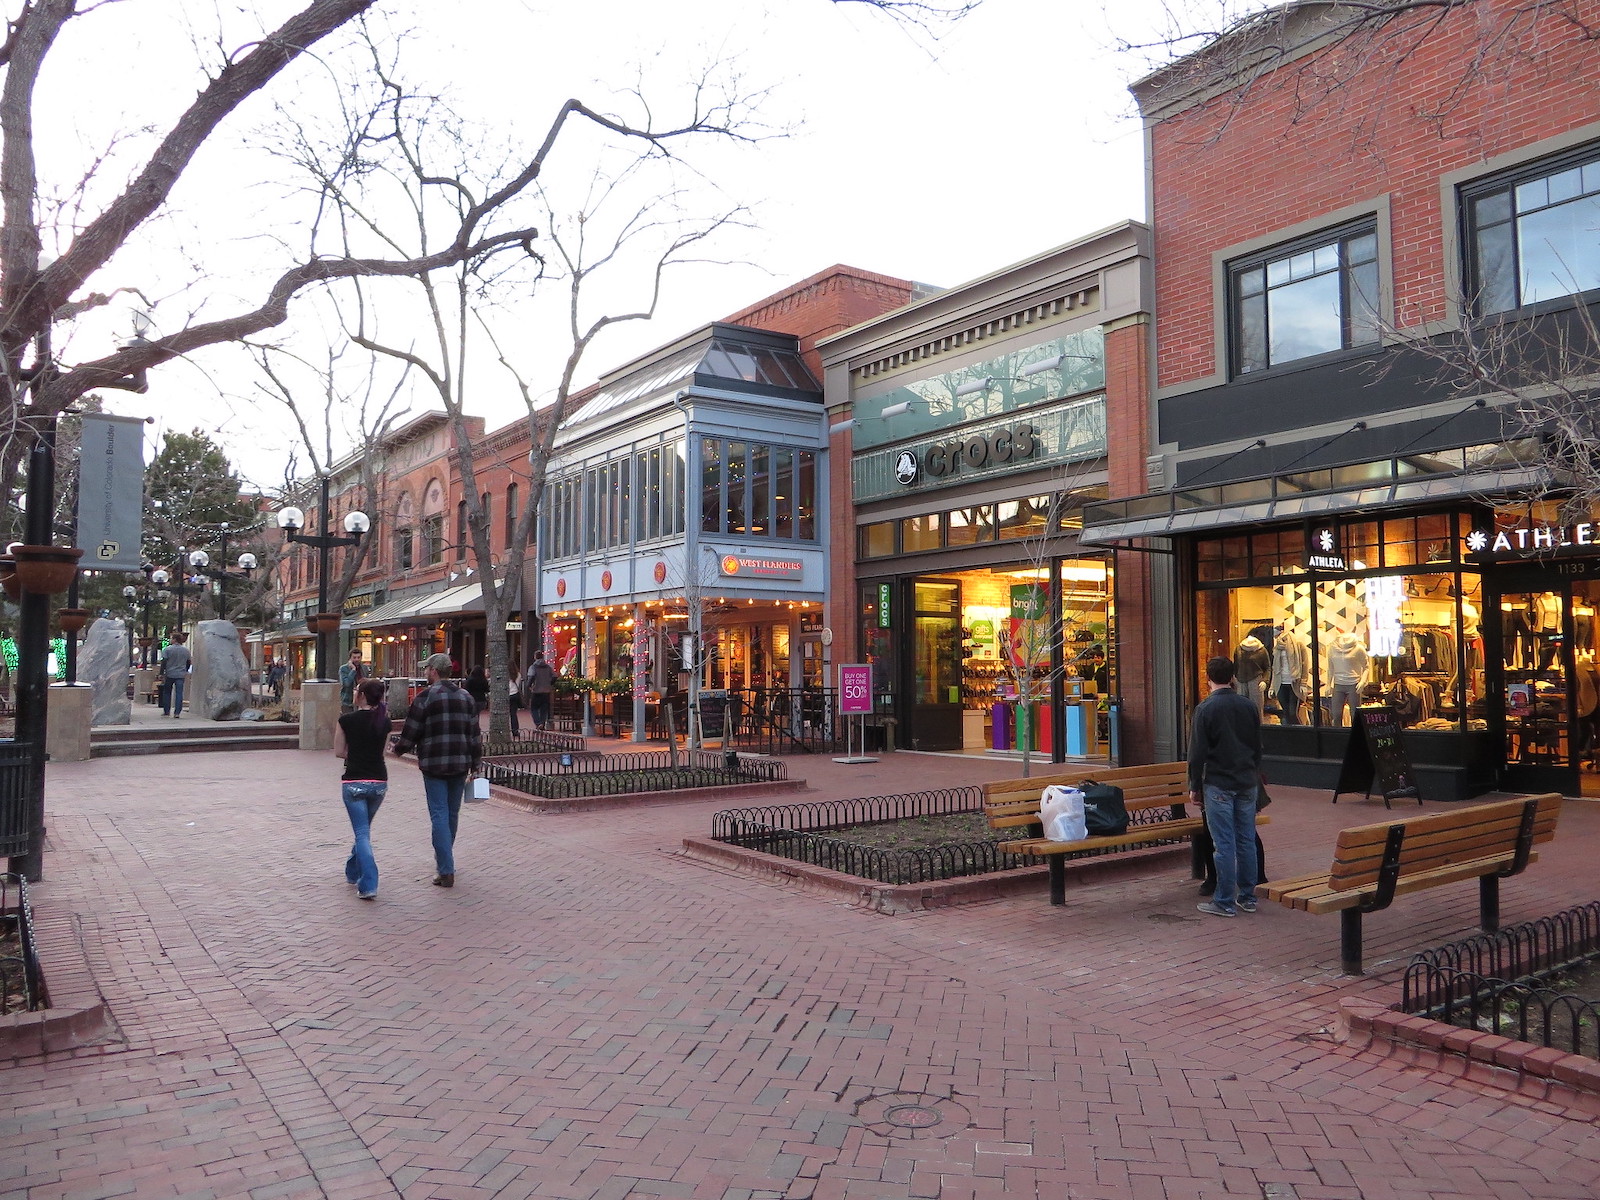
point(477, 686)
point(360, 739)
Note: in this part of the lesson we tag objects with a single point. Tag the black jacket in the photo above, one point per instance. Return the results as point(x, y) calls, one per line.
point(1225, 743)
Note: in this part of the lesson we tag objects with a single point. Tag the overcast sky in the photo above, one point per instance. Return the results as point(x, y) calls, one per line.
point(932, 158)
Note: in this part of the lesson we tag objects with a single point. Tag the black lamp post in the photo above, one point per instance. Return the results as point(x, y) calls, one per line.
point(356, 524)
point(201, 562)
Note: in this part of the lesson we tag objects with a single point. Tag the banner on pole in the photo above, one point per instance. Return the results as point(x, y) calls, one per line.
point(111, 493)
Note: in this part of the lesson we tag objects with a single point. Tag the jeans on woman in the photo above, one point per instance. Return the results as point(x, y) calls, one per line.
point(362, 799)
point(1231, 819)
point(444, 794)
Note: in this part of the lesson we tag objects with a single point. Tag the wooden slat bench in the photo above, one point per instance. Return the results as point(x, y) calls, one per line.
point(1372, 864)
point(1156, 796)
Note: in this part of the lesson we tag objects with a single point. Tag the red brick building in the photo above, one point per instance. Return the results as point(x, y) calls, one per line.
point(1339, 200)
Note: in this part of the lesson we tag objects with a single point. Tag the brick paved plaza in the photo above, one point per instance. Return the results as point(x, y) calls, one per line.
point(591, 1014)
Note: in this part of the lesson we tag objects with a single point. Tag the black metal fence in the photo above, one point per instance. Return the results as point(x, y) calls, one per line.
point(565, 777)
point(535, 741)
point(15, 772)
point(798, 832)
point(1506, 982)
point(20, 983)
point(784, 720)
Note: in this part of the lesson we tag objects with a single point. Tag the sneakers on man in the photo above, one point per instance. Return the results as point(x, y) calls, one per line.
point(1247, 906)
point(1214, 909)
point(366, 895)
point(444, 880)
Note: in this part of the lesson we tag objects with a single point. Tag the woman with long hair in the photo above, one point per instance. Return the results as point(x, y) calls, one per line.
point(360, 739)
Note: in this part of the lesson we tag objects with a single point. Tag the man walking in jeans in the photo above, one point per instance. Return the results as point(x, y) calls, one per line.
point(175, 662)
point(1225, 769)
point(442, 727)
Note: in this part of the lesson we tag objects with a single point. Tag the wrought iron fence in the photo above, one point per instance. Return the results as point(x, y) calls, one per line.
point(798, 832)
point(568, 776)
point(784, 720)
point(535, 741)
point(1506, 982)
point(19, 966)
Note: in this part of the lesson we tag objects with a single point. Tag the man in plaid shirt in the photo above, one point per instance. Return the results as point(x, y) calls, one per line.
point(442, 727)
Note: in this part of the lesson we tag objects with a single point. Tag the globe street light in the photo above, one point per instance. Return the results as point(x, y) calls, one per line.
point(356, 524)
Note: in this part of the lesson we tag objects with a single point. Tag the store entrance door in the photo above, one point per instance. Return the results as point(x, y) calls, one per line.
point(935, 665)
point(1549, 687)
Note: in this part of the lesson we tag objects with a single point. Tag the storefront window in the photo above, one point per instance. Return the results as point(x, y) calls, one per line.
point(920, 533)
point(1310, 653)
point(877, 541)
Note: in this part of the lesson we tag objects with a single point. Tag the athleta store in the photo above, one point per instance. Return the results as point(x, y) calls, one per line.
point(1474, 625)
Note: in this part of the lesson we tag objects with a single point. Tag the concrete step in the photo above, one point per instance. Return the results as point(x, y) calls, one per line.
point(120, 748)
point(185, 727)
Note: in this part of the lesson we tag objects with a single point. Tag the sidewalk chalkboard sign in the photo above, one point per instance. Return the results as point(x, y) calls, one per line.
point(713, 715)
point(1376, 755)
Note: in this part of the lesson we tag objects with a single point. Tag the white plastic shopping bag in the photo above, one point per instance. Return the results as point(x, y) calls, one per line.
point(479, 789)
point(1061, 811)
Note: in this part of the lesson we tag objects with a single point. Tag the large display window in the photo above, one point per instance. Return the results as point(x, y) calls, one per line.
point(1401, 626)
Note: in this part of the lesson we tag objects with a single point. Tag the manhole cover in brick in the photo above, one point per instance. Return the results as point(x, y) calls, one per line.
point(911, 1115)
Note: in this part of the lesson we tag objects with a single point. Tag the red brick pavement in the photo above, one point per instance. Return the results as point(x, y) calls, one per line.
point(591, 1014)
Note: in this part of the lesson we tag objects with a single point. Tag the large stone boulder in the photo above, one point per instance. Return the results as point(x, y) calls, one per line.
point(219, 689)
point(103, 665)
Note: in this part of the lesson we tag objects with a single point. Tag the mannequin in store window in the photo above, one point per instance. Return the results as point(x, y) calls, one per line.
point(1516, 629)
point(1253, 667)
point(1291, 673)
point(1583, 626)
point(1346, 667)
point(1547, 627)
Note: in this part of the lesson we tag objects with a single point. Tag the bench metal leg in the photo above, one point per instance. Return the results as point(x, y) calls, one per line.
point(1058, 879)
point(1489, 903)
point(1350, 941)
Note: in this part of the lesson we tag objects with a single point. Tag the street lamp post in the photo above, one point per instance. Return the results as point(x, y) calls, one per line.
point(201, 562)
point(356, 524)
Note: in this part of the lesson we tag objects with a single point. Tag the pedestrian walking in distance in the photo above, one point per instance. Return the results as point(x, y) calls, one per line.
point(175, 662)
point(360, 739)
point(1224, 776)
point(442, 727)
point(538, 684)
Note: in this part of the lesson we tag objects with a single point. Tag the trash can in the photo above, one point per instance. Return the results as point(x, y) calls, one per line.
point(16, 768)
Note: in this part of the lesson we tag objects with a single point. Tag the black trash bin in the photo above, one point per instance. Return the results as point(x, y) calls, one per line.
point(16, 768)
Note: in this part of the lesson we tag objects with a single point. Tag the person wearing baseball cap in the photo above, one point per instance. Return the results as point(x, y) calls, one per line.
point(442, 727)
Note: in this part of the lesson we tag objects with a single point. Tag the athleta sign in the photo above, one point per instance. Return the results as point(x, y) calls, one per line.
point(1531, 541)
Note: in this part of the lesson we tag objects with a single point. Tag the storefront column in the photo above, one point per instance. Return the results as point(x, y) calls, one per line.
point(641, 672)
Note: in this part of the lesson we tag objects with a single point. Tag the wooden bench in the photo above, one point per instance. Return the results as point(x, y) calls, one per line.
point(1156, 796)
point(1372, 864)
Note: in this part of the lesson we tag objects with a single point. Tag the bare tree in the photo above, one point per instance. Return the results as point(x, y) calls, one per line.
point(38, 293)
point(344, 434)
point(407, 153)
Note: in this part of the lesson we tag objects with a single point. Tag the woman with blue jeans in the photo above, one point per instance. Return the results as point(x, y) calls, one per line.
point(360, 739)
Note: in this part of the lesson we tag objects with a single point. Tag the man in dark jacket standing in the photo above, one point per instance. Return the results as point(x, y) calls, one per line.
point(1225, 774)
point(442, 727)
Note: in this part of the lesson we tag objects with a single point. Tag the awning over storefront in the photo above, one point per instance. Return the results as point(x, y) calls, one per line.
point(1168, 514)
point(385, 614)
point(467, 598)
